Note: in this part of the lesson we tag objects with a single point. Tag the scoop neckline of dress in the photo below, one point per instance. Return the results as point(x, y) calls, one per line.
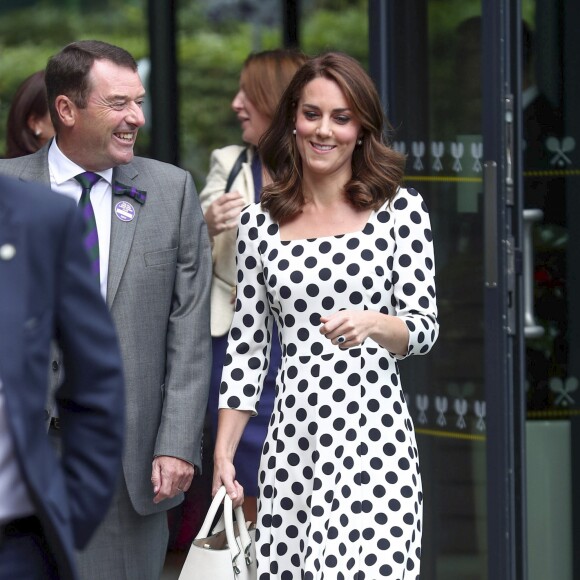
point(373, 213)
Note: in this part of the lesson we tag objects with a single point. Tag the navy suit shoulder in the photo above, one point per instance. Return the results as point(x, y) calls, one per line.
point(24, 195)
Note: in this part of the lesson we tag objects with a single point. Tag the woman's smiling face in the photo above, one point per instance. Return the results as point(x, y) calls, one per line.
point(326, 130)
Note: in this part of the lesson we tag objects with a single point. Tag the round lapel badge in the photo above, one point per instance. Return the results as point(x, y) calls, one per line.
point(124, 211)
point(7, 252)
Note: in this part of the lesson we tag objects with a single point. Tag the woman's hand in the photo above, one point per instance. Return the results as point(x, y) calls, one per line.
point(231, 424)
point(350, 328)
point(223, 213)
point(224, 473)
point(347, 328)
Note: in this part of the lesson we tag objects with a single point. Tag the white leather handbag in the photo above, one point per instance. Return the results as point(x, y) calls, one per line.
point(226, 551)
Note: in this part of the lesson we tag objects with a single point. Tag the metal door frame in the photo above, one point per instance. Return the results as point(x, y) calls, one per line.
point(504, 355)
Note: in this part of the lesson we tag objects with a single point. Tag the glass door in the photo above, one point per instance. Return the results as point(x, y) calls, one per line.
point(551, 188)
point(444, 70)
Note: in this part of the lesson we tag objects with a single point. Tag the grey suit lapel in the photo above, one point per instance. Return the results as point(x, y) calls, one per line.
point(122, 232)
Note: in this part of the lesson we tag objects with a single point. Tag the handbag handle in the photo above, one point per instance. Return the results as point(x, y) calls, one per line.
point(205, 530)
point(245, 539)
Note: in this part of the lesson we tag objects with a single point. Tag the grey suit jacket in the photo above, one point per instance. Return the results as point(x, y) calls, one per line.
point(158, 293)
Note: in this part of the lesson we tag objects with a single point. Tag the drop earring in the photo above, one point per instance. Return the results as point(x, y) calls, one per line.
point(359, 142)
point(294, 132)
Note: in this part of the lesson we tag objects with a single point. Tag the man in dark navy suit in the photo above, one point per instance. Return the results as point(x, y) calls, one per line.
point(50, 505)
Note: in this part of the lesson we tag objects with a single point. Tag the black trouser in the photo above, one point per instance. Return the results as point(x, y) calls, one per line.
point(24, 553)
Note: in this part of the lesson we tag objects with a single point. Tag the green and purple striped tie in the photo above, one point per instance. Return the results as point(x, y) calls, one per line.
point(91, 237)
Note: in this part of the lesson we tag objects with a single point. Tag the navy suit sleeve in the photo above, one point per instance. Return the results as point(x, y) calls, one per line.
point(91, 398)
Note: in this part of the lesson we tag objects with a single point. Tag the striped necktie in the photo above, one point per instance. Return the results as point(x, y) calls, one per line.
point(91, 237)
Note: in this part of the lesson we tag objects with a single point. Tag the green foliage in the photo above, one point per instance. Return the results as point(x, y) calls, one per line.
point(209, 71)
point(335, 5)
point(210, 56)
point(345, 30)
point(47, 26)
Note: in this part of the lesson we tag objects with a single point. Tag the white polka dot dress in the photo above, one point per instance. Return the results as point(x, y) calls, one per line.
point(340, 490)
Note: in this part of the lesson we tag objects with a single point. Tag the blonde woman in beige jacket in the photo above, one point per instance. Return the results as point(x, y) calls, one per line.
point(263, 79)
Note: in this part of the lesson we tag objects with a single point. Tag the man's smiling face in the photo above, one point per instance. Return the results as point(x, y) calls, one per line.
point(104, 133)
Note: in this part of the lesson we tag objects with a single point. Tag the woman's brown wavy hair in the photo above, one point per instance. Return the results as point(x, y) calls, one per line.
point(377, 170)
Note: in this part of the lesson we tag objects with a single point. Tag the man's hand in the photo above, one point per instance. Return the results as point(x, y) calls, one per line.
point(170, 476)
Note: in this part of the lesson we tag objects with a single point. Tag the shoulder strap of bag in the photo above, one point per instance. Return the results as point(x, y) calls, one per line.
point(242, 158)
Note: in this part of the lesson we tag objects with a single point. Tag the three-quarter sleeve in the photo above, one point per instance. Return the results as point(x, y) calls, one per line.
point(249, 340)
point(413, 271)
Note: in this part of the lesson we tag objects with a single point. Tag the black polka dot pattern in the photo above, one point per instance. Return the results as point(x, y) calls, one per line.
point(340, 489)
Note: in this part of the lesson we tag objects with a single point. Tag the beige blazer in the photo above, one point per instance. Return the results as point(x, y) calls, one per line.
point(223, 285)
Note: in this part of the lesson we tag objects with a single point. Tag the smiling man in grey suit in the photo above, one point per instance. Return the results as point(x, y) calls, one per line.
point(152, 257)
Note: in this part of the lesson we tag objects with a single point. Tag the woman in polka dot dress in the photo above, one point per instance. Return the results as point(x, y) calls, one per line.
point(341, 257)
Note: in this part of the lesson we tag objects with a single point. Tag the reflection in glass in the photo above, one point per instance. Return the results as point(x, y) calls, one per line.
point(550, 188)
point(439, 127)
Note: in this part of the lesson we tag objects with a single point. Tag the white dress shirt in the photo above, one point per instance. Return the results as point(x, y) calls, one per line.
point(62, 179)
point(15, 500)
